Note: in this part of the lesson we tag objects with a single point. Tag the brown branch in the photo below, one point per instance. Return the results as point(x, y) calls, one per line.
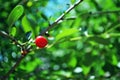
point(13, 68)
point(4, 34)
point(61, 17)
point(27, 50)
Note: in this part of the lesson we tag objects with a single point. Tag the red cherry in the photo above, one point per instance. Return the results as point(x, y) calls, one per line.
point(41, 41)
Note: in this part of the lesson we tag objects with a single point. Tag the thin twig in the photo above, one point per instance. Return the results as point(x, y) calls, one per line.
point(100, 12)
point(113, 28)
point(106, 12)
point(3, 33)
point(13, 68)
point(94, 14)
point(61, 17)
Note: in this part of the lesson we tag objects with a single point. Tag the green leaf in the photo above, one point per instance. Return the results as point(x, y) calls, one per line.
point(26, 25)
point(13, 31)
point(114, 59)
point(33, 63)
point(72, 1)
point(66, 32)
point(99, 68)
point(72, 62)
point(15, 14)
point(86, 69)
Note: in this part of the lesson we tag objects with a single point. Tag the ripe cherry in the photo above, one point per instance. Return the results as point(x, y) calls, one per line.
point(41, 41)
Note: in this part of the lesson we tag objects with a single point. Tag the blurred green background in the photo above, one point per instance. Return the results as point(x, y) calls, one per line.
point(83, 46)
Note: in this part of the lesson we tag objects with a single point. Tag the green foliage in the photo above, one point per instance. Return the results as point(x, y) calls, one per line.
point(15, 14)
point(66, 33)
point(84, 45)
point(27, 26)
point(13, 31)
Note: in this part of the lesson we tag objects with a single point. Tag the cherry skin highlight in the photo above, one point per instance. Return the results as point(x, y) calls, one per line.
point(41, 41)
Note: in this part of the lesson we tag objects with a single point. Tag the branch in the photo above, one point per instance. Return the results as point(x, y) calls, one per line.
point(4, 34)
point(13, 68)
point(61, 17)
point(100, 12)
point(11, 38)
point(106, 12)
point(94, 13)
point(25, 50)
